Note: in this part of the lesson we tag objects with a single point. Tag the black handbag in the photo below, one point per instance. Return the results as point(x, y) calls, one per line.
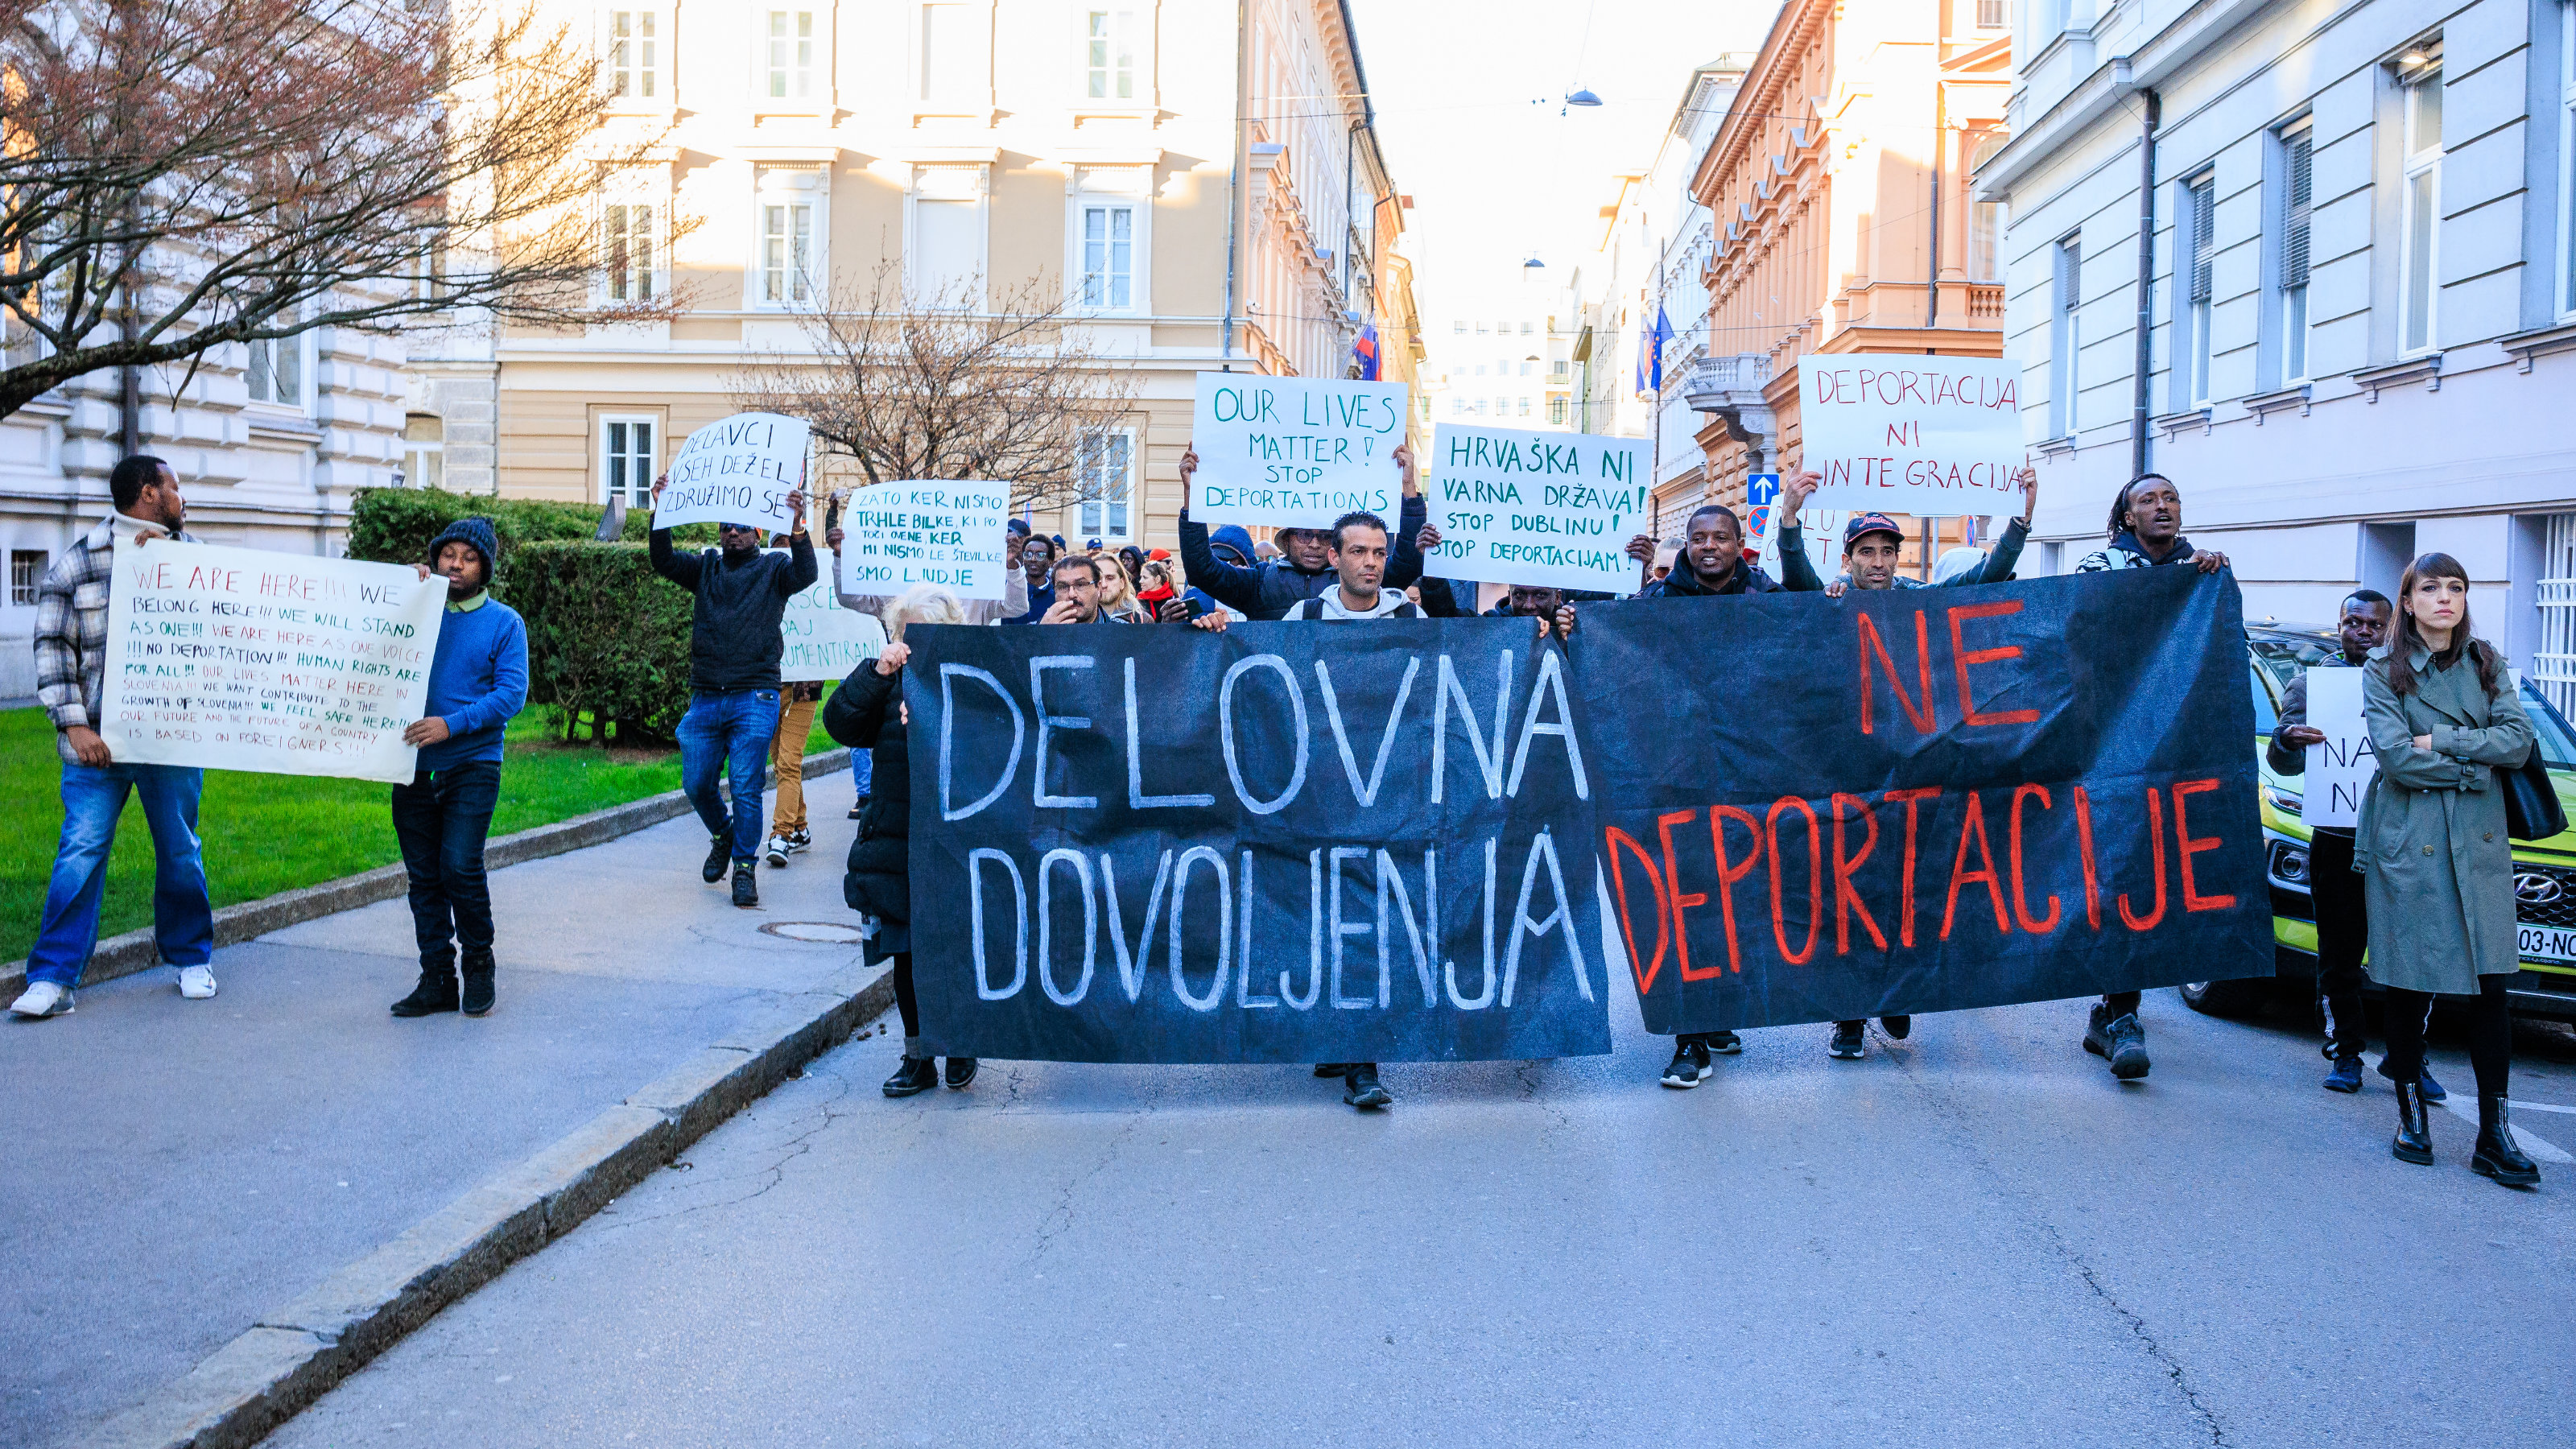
point(2531, 808)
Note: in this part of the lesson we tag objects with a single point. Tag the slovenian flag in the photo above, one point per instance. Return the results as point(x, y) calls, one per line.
point(1364, 347)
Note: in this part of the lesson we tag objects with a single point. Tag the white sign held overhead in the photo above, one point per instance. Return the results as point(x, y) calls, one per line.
point(896, 535)
point(1295, 452)
point(242, 659)
point(1550, 509)
point(739, 470)
point(1923, 435)
point(2342, 767)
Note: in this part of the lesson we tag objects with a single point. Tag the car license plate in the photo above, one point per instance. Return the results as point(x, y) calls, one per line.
point(2548, 943)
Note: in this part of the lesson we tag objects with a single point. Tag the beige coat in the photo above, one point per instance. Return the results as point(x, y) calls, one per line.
point(2437, 869)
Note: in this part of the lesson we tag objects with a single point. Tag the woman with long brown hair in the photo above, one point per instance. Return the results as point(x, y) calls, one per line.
point(2437, 867)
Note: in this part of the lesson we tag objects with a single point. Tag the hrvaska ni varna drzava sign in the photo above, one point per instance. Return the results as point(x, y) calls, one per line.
point(1438, 839)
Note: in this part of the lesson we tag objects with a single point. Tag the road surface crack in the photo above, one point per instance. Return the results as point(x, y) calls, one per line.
point(772, 1171)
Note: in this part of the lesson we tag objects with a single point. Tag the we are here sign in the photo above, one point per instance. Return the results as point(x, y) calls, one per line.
point(1920, 435)
point(1295, 452)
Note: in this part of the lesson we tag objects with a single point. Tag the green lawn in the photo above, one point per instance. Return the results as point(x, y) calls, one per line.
point(269, 833)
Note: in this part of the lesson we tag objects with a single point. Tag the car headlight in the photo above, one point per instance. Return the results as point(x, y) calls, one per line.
point(2283, 800)
point(2286, 862)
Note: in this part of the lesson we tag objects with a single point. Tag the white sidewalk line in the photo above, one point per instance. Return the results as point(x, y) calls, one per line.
point(2532, 1142)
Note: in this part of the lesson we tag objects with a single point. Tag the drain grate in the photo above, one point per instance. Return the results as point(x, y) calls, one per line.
point(829, 932)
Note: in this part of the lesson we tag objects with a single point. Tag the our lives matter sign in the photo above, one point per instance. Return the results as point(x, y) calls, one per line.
point(1551, 509)
point(1285, 843)
point(1923, 435)
point(824, 640)
point(896, 535)
point(739, 470)
point(1295, 452)
point(2342, 767)
point(240, 659)
point(1910, 804)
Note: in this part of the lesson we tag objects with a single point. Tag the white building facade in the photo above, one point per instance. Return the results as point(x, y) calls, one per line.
point(2358, 288)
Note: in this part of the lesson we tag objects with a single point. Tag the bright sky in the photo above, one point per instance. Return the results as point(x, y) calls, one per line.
point(1496, 178)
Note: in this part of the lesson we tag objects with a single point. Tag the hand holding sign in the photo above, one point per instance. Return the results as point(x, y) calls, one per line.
point(746, 469)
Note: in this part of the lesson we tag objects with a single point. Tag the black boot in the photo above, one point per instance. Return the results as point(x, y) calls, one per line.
point(2119, 1040)
point(746, 889)
point(477, 998)
point(719, 856)
point(2414, 1140)
point(2498, 1155)
point(916, 1075)
point(961, 1070)
point(435, 993)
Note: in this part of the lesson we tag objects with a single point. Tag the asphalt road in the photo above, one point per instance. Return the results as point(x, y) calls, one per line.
point(1974, 1237)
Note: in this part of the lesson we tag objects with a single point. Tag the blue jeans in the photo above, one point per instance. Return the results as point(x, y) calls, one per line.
point(727, 732)
point(183, 919)
point(441, 818)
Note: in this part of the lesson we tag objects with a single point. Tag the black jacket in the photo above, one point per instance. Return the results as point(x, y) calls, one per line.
point(1266, 590)
point(1682, 583)
point(866, 713)
point(734, 642)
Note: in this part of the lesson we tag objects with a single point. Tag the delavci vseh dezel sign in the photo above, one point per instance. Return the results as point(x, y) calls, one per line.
point(737, 470)
point(1921, 435)
point(1295, 452)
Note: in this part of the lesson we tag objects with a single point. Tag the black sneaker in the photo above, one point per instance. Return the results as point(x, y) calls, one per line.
point(916, 1075)
point(2430, 1090)
point(746, 886)
point(1848, 1045)
point(478, 995)
point(2346, 1076)
point(801, 842)
point(1898, 1028)
point(1332, 1069)
point(2119, 1040)
point(1724, 1043)
point(435, 993)
point(1364, 1089)
point(961, 1070)
point(1690, 1064)
point(858, 807)
point(719, 856)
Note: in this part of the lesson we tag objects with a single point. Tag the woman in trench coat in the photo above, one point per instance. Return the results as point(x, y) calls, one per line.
point(2437, 868)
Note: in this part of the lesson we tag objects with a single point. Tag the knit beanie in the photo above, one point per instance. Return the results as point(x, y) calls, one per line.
point(475, 533)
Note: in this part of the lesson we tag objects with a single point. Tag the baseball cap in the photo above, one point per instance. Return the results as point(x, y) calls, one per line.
point(1870, 523)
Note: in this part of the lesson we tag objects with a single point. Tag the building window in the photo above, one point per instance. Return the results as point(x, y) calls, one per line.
point(626, 251)
point(423, 439)
point(276, 371)
point(1556, 410)
point(1560, 370)
point(627, 460)
point(1985, 218)
point(1457, 407)
point(1480, 329)
point(1458, 329)
point(1524, 408)
point(947, 258)
point(787, 249)
point(634, 55)
point(1109, 55)
point(1994, 15)
point(953, 67)
point(1106, 468)
point(26, 574)
point(2567, 158)
point(2065, 298)
point(2201, 204)
point(2298, 154)
point(790, 66)
point(1109, 257)
point(2420, 202)
point(1527, 328)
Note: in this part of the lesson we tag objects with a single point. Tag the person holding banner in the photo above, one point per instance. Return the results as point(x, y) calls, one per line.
point(2145, 531)
point(1876, 551)
point(478, 680)
point(2334, 888)
point(734, 649)
point(1269, 588)
point(2436, 855)
point(71, 662)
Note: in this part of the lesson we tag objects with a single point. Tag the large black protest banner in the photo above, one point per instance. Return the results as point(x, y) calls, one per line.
point(1925, 799)
point(1286, 843)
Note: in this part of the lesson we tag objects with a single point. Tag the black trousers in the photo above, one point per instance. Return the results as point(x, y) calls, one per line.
point(441, 819)
point(2490, 1035)
point(2343, 931)
point(904, 1001)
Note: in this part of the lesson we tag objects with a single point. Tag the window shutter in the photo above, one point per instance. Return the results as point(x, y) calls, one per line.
point(2294, 235)
point(2203, 201)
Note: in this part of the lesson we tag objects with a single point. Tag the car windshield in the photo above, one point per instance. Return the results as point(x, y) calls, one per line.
point(2557, 740)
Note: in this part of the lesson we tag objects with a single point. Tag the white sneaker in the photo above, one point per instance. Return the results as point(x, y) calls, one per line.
point(776, 851)
point(43, 999)
point(196, 982)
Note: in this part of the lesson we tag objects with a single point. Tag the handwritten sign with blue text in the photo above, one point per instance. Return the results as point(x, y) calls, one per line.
point(901, 534)
point(1550, 509)
point(739, 470)
point(1922, 435)
point(1295, 452)
point(243, 659)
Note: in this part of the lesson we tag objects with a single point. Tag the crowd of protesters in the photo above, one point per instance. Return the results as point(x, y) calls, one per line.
point(2417, 898)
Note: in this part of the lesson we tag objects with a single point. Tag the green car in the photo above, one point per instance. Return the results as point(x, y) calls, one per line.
point(2544, 880)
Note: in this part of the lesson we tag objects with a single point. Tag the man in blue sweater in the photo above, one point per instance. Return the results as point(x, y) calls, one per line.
point(478, 679)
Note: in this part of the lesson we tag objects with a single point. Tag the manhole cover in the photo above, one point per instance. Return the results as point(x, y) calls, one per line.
point(836, 934)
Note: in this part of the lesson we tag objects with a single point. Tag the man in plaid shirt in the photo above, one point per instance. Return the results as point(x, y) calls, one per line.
point(71, 665)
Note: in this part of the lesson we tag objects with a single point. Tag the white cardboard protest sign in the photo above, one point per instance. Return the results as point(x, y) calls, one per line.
point(824, 640)
point(1921, 435)
point(1551, 509)
point(1295, 452)
point(2340, 769)
point(896, 535)
point(738, 470)
point(242, 659)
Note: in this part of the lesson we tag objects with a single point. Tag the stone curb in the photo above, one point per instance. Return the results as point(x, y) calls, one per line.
point(134, 951)
point(297, 1352)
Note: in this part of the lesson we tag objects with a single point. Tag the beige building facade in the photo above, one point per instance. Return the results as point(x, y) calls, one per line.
point(1205, 196)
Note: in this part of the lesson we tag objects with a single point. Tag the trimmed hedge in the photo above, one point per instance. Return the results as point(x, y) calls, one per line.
point(607, 637)
point(395, 525)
